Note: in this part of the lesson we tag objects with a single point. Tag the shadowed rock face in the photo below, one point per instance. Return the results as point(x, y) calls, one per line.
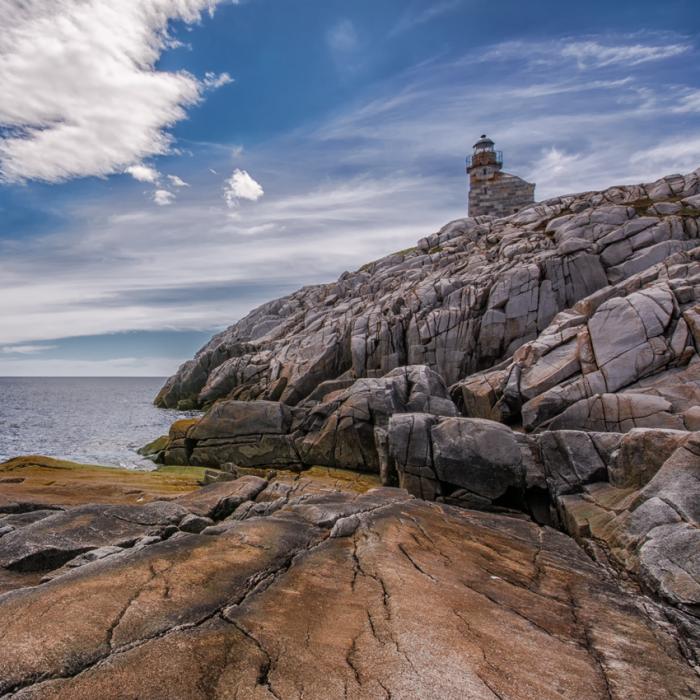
point(339, 594)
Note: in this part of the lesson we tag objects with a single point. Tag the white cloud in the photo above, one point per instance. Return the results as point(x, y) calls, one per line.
point(342, 37)
point(80, 94)
point(143, 173)
point(241, 186)
point(176, 181)
point(163, 198)
point(237, 151)
point(212, 80)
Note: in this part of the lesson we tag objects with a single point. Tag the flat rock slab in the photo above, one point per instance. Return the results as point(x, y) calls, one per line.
point(418, 601)
point(54, 540)
point(31, 483)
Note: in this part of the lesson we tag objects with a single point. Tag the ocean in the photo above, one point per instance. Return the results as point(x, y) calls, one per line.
point(95, 420)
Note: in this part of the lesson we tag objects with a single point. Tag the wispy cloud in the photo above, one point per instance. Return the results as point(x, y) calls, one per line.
point(346, 47)
point(596, 54)
point(25, 349)
point(79, 90)
point(421, 13)
point(683, 152)
point(558, 88)
point(342, 37)
point(591, 53)
point(376, 177)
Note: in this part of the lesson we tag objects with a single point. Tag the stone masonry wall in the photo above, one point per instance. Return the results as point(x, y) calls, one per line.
point(501, 195)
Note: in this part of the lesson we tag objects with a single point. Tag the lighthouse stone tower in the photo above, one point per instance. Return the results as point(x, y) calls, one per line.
point(491, 191)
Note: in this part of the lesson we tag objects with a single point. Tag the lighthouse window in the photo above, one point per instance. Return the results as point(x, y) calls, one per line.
point(484, 171)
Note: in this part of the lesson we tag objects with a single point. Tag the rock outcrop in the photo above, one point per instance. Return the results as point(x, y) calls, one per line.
point(468, 297)
point(631, 499)
point(543, 368)
point(624, 357)
point(308, 590)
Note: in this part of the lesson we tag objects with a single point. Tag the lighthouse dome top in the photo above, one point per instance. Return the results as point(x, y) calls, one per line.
point(484, 144)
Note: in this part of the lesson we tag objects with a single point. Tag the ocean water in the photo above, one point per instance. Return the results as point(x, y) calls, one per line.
point(100, 420)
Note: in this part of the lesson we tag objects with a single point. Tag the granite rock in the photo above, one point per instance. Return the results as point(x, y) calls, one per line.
point(358, 597)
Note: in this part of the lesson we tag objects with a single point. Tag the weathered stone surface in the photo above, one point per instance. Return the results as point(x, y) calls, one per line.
point(636, 492)
point(571, 459)
point(236, 418)
point(249, 434)
point(349, 428)
point(220, 500)
point(618, 413)
point(647, 516)
point(35, 483)
point(623, 357)
point(52, 541)
point(279, 607)
point(641, 454)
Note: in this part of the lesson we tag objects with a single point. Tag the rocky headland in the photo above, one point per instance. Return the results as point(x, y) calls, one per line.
point(467, 470)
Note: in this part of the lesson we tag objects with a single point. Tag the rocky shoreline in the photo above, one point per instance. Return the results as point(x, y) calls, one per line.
point(321, 585)
point(469, 470)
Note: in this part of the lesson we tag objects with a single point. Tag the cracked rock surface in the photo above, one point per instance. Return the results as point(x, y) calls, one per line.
point(340, 593)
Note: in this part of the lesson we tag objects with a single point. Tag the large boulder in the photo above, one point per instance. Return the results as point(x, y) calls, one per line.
point(466, 460)
point(349, 428)
point(246, 433)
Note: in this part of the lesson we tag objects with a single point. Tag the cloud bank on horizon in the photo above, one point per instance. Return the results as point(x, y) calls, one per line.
point(209, 201)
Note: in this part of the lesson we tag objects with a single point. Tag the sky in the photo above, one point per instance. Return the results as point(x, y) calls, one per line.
point(168, 165)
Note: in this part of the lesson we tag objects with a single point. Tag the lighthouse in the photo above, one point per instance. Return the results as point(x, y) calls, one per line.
point(493, 192)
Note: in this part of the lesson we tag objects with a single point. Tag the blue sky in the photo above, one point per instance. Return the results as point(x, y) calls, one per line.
point(167, 165)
